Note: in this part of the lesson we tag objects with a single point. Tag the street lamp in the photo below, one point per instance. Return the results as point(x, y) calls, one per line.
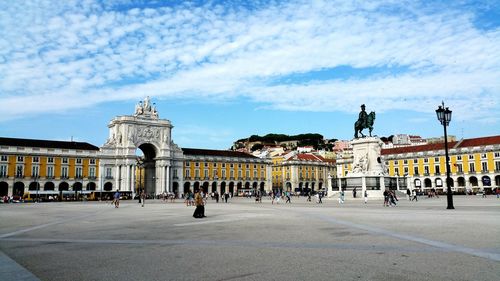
point(444, 116)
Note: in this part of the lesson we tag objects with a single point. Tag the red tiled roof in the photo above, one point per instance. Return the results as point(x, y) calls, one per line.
point(417, 148)
point(480, 141)
point(439, 146)
point(309, 157)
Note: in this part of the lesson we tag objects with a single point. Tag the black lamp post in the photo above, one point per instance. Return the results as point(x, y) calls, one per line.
point(444, 116)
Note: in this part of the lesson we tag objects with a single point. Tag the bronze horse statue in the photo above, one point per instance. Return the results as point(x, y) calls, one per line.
point(361, 124)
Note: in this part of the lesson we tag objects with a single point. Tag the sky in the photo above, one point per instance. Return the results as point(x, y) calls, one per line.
point(223, 70)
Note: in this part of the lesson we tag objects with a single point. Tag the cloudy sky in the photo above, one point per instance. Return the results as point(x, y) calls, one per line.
point(221, 70)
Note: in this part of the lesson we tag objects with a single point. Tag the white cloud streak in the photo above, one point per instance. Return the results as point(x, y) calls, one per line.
point(70, 54)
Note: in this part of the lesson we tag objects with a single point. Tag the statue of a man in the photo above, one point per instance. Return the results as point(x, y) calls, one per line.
point(147, 106)
point(363, 116)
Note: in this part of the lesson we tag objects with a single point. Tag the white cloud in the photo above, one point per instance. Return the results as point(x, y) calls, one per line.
point(62, 55)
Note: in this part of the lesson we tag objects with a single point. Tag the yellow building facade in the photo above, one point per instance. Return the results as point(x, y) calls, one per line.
point(47, 167)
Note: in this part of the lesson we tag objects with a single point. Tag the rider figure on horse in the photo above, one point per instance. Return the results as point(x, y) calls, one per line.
point(363, 117)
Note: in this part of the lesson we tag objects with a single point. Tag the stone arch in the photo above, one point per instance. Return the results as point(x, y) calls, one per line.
point(497, 180)
point(187, 187)
point(486, 180)
point(108, 186)
point(175, 187)
point(262, 186)
point(49, 186)
point(247, 185)
point(91, 186)
point(148, 163)
point(223, 187)
point(461, 182)
point(427, 183)
point(473, 181)
point(320, 186)
point(231, 187)
point(205, 187)
point(214, 186)
point(18, 189)
point(4, 188)
point(34, 186)
point(77, 186)
point(63, 186)
point(196, 186)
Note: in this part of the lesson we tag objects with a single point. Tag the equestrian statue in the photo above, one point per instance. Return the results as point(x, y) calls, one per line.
point(365, 121)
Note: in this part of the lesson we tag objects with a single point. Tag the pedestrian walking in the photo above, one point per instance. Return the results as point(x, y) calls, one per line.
point(341, 197)
point(354, 193)
point(116, 198)
point(143, 198)
point(386, 198)
point(320, 196)
point(366, 196)
point(199, 212)
point(288, 198)
point(415, 197)
point(408, 194)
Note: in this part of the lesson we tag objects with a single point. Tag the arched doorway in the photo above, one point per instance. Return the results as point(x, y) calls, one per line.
point(247, 185)
point(108, 186)
point(18, 189)
point(320, 186)
point(187, 187)
point(486, 181)
point(146, 163)
point(313, 185)
point(473, 181)
point(175, 187)
point(262, 187)
point(34, 186)
point(4, 188)
point(63, 186)
point(223, 187)
point(205, 187)
point(427, 183)
point(497, 181)
point(239, 186)
point(231, 187)
point(214, 186)
point(461, 182)
point(91, 186)
point(288, 186)
point(196, 187)
point(49, 186)
point(77, 186)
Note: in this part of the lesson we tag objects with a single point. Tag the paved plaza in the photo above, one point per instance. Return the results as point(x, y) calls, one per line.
point(242, 240)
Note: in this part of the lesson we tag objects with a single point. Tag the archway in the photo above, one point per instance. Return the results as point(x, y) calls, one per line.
point(4, 188)
point(18, 189)
point(438, 182)
point(461, 182)
point(486, 181)
point(63, 186)
point(313, 186)
point(205, 187)
point(146, 164)
point(77, 186)
point(427, 183)
point(214, 186)
point(34, 186)
point(473, 181)
point(497, 181)
point(187, 187)
point(223, 187)
point(231, 187)
point(196, 187)
point(320, 186)
point(91, 186)
point(262, 186)
point(108, 186)
point(49, 186)
point(175, 187)
point(247, 185)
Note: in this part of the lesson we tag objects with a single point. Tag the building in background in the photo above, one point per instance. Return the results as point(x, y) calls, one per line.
point(47, 167)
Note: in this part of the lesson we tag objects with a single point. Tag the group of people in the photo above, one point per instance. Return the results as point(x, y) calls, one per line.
point(390, 198)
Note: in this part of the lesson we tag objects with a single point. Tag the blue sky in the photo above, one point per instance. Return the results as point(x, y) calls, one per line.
point(222, 70)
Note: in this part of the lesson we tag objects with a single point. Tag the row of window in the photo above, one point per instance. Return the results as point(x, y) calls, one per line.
point(35, 171)
point(223, 173)
point(458, 166)
point(215, 165)
point(437, 159)
point(50, 160)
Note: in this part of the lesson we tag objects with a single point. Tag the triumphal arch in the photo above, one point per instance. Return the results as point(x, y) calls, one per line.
point(143, 131)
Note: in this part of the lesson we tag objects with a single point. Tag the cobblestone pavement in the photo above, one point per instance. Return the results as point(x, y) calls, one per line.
point(244, 240)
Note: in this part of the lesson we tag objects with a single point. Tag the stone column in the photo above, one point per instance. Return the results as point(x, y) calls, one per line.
point(127, 179)
point(167, 181)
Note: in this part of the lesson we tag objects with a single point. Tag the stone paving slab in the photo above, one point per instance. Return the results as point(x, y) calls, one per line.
point(243, 240)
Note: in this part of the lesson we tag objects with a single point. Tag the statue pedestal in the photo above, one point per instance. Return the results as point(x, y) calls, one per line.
point(368, 171)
